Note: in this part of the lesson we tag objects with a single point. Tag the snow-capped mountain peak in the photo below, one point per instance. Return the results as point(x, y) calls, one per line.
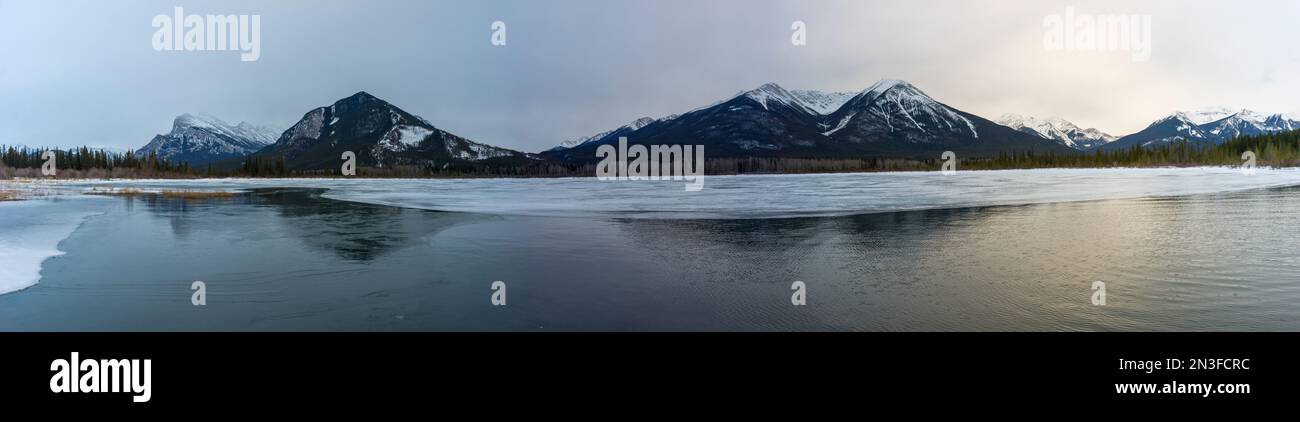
point(1057, 129)
point(895, 106)
point(1208, 114)
point(640, 123)
point(1216, 115)
point(192, 120)
point(202, 138)
point(770, 94)
point(1016, 121)
point(1282, 122)
point(627, 128)
point(261, 134)
point(1250, 116)
point(1183, 119)
point(883, 85)
point(810, 101)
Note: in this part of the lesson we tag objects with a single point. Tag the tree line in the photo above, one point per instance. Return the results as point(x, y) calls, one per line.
point(85, 161)
point(1279, 150)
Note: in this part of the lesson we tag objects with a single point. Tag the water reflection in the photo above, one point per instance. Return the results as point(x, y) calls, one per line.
point(1200, 262)
point(349, 230)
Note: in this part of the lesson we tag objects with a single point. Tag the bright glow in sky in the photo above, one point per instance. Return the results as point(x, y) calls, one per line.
point(85, 72)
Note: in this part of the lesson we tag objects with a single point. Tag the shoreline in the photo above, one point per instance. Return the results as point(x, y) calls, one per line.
point(724, 197)
point(526, 177)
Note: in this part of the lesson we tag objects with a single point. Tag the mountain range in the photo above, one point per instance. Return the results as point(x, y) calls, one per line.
point(1212, 126)
point(889, 119)
point(1059, 130)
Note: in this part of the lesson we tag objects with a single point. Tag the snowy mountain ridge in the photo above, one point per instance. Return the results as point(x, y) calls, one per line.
point(890, 118)
point(1213, 125)
point(1057, 129)
point(200, 139)
point(381, 134)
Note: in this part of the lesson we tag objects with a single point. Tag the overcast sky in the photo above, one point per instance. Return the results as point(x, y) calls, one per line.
point(85, 72)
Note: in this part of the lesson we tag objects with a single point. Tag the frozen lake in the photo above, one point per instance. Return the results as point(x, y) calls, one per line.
point(1179, 249)
point(756, 196)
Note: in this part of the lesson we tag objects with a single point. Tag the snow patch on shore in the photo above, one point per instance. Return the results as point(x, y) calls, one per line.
point(30, 233)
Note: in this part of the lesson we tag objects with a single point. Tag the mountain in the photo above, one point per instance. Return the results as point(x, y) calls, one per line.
point(765, 121)
point(380, 134)
point(1170, 128)
point(204, 139)
point(1213, 126)
point(889, 119)
point(896, 110)
point(1059, 130)
point(815, 102)
point(1247, 123)
point(1282, 122)
point(620, 131)
point(895, 118)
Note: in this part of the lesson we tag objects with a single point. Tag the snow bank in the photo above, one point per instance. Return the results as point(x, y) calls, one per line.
point(30, 232)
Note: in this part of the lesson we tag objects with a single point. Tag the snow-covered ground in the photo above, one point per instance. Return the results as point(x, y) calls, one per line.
point(30, 232)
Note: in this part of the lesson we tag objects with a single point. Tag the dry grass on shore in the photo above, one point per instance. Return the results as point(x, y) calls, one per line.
point(8, 195)
point(190, 194)
point(170, 194)
point(129, 192)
